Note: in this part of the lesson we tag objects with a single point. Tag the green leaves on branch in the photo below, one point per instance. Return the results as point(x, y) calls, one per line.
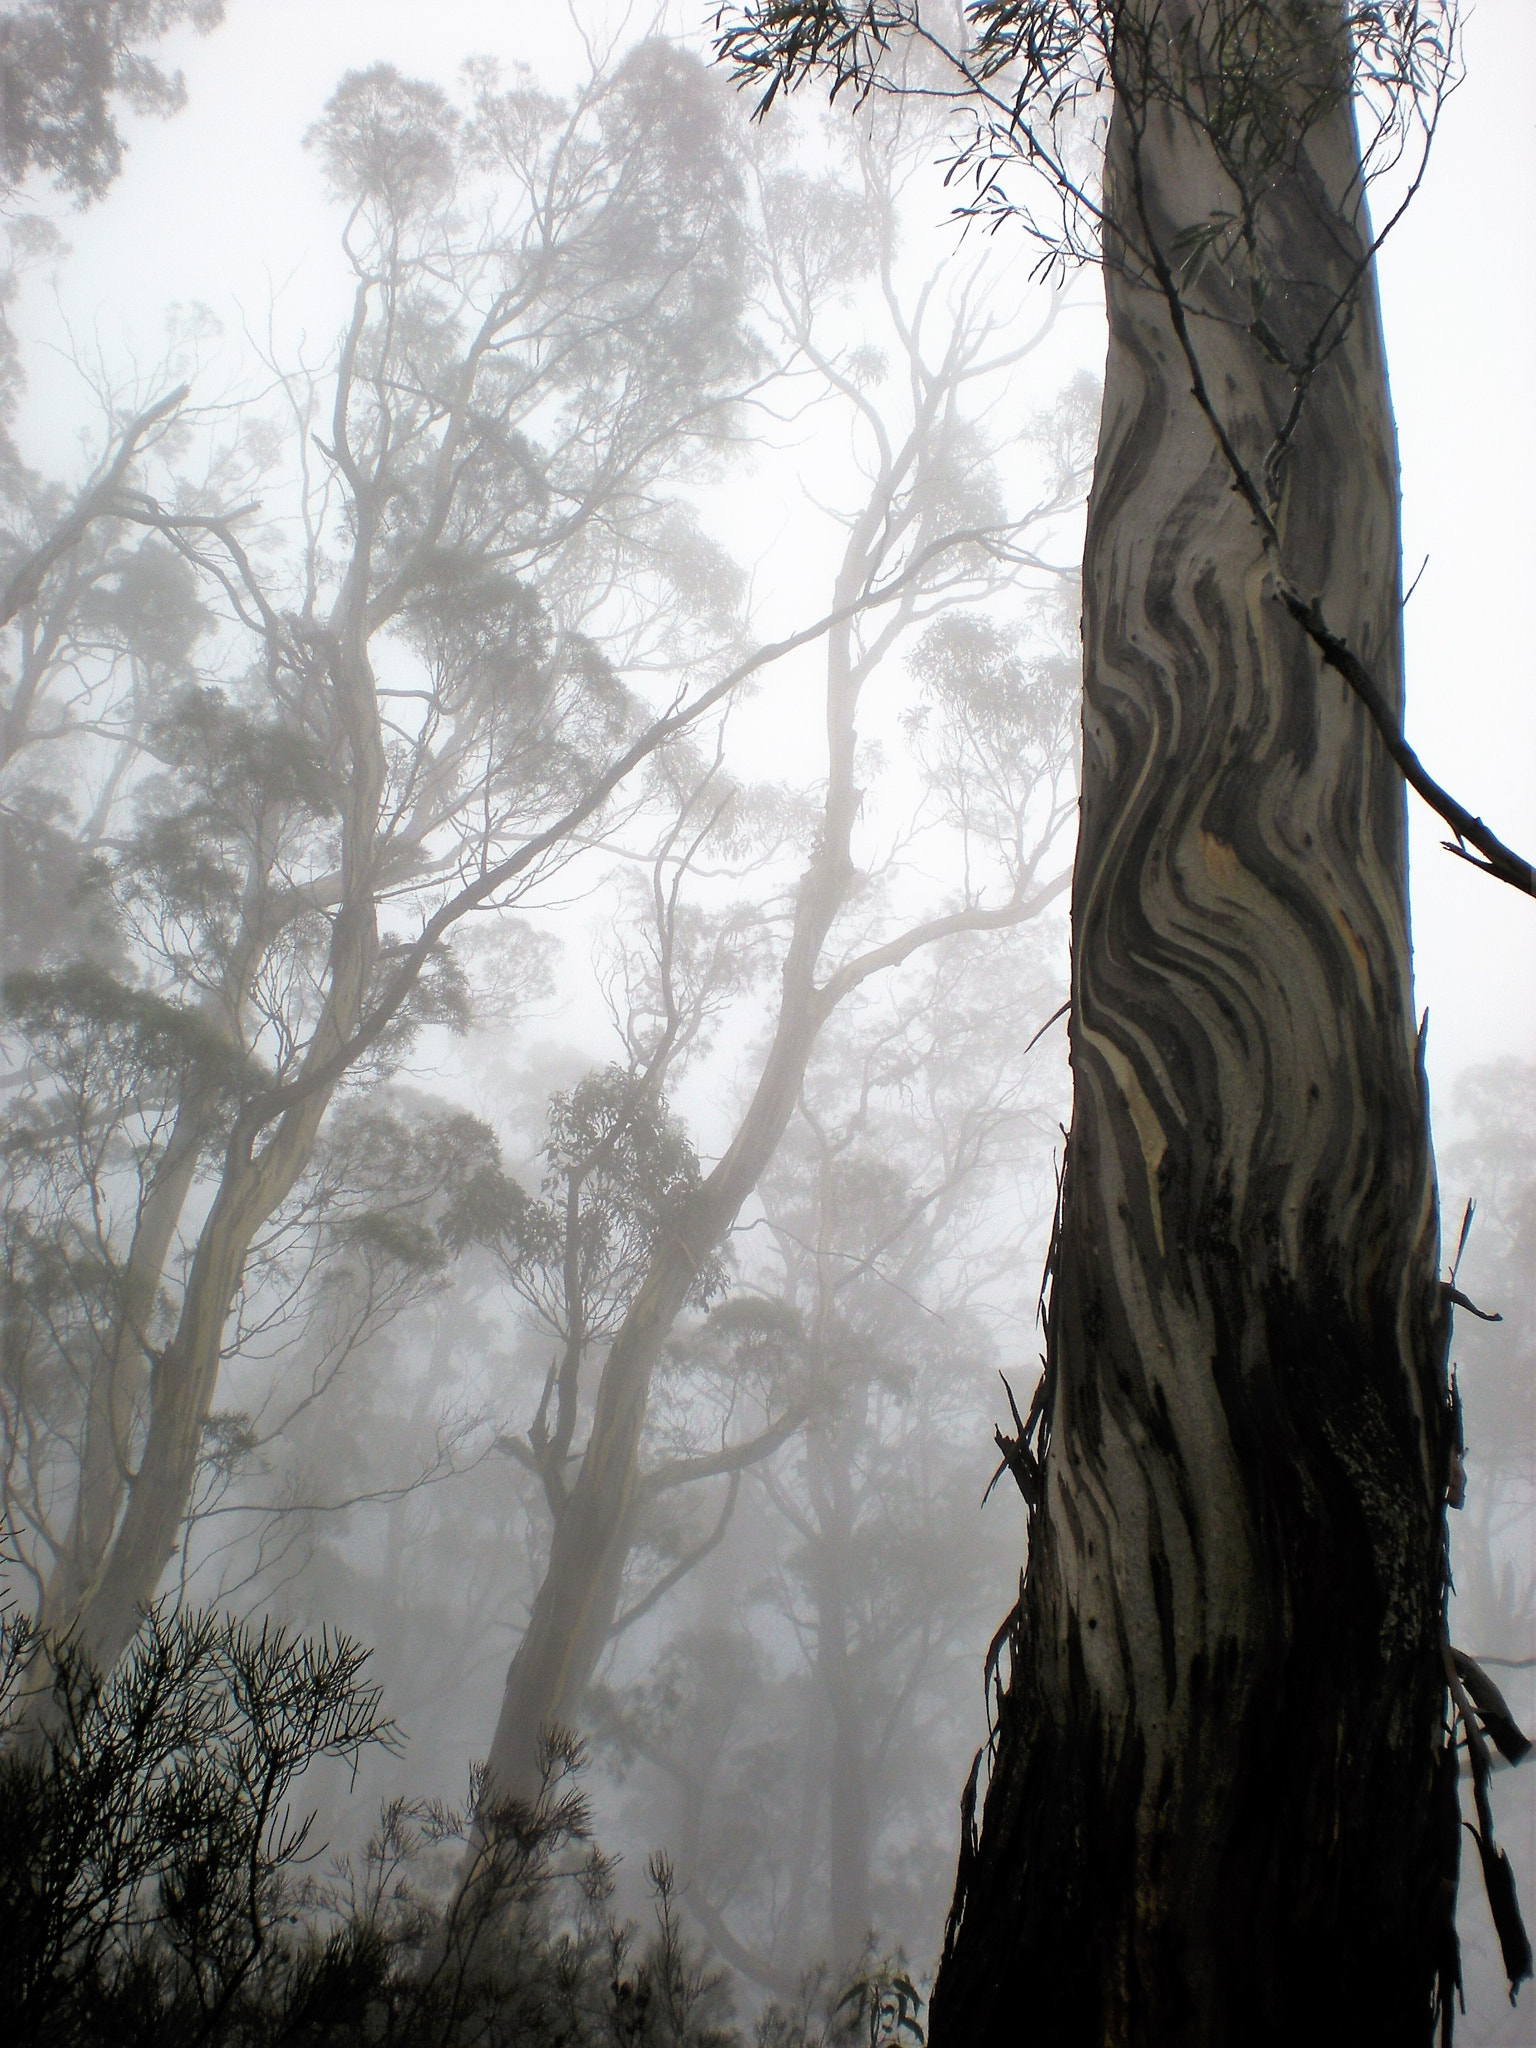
point(619, 1170)
point(64, 69)
point(104, 1040)
point(144, 1834)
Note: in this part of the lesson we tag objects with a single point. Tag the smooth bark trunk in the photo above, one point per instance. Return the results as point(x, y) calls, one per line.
point(574, 1609)
point(253, 1184)
point(1211, 1816)
point(577, 1601)
point(119, 1384)
point(182, 1383)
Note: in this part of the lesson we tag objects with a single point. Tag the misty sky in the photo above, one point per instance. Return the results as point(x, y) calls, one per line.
point(221, 207)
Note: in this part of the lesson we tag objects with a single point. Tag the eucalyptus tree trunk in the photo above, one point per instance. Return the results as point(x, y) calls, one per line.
point(851, 1919)
point(256, 1177)
point(574, 1609)
point(575, 1606)
point(126, 1382)
point(1212, 1812)
point(160, 1491)
point(119, 1383)
point(902, 526)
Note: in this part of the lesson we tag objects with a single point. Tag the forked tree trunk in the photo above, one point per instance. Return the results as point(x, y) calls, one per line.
point(574, 1609)
point(577, 1601)
point(150, 1509)
point(575, 1606)
point(1211, 1816)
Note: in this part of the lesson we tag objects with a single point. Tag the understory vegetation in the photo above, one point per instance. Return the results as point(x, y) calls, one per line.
point(157, 1886)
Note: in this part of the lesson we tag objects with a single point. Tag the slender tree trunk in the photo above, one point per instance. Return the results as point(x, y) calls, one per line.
point(182, 1383)
point(130, 1373)
point(574, 1609)
point(851, 1919)
point(119, 1385)
point(252, 1185)
point(577, 1599)
point(1211, 1815)
point(575, 1606)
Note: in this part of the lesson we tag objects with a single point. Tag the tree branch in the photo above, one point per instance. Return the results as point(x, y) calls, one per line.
point(895, 951)
point(96, 503)
point(684, 1565)
point(733, 1458)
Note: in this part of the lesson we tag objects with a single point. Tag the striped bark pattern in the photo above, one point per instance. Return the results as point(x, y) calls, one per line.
point(1211, 1813)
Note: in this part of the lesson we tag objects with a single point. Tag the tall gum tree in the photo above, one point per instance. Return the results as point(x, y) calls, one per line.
point(518, 389)
point(1219, 1744)
point(931, 531)
point(1222, 1801)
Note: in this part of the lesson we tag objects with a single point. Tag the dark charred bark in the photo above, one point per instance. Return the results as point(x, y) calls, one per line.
point(1211, 1815)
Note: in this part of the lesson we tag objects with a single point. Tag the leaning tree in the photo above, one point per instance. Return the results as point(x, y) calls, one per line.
point(1223, 1793)
point(927, 539)
point(325, 759)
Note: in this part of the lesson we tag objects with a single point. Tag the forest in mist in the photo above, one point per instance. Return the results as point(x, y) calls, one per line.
point(539, 772)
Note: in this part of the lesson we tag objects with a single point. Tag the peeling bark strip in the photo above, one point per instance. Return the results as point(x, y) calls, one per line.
point(1211, 1816)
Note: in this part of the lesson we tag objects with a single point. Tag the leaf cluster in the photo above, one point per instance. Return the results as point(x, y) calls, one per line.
point(1254, 76)
point(106, 1041)
point(64, 69)
point(619, 1169)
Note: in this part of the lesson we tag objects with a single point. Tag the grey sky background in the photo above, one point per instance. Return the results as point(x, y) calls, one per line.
point(221, 206)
